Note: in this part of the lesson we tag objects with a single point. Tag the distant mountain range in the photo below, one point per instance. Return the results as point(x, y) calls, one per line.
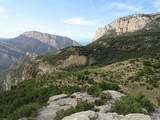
point(31, 42)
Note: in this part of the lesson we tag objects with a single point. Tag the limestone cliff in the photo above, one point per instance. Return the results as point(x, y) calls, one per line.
point(129, 23)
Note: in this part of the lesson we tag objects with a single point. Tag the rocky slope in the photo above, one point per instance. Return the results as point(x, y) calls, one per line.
point(63, 101)
point(129, 23)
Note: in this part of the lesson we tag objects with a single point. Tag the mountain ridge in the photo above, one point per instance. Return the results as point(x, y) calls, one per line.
point(129, 23)
point(31, 42)
point(56, 41)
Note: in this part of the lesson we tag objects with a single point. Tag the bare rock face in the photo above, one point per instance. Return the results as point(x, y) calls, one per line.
point(130, 23)
point(91, 115)
point(62, 101)
point(56, 41)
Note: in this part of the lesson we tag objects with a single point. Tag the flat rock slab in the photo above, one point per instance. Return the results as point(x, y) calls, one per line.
point(114, 94)
point(56, 103)
point(91, 115)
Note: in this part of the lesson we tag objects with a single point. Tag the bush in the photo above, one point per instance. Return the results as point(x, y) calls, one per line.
point(70, 89)
point(96, 89)
point(156, 65)
point(99, 102)
point(126, 105)
point(105, 96)
point(90, 81)
point(158, 100)
point(146, 63)
point(108, 86)
point(132, 104)
point(131, 61)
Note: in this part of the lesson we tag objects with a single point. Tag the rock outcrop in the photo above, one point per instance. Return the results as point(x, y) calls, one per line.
point(129, 23)
point(91, 115)
point(62, 101)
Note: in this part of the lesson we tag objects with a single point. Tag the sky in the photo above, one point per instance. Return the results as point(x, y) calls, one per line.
point(76, 19)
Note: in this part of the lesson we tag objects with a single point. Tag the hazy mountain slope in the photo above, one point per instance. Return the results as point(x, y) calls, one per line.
point(26, 44)
point(56, 41)
point(32, 42)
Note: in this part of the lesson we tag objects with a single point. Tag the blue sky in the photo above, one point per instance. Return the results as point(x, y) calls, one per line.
point(76, 19)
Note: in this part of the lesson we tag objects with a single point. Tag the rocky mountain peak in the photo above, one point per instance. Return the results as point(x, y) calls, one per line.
point(56, 41)
point(129, 23)
point(37, 35)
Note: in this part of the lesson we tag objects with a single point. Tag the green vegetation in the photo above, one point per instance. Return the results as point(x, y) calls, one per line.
point(110, 50)
point(135, 68)
point(132, 104)
point(30, 95)
point(97, 88)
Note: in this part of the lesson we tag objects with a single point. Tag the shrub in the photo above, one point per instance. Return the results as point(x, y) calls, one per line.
point(105, 96)
point(94, 90)
point(158, 100)
point(132, 104)
point(99, 102)
point(131, 61)
point(90, 81)
point(146, 63)
point(156, 65)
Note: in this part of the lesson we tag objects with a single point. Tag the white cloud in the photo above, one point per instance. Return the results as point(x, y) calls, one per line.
point(11, 30)
point(5, 17)
point(19, 29)
point(125, 6)
point(156, 4)
point(1, 9)
point(80, 21)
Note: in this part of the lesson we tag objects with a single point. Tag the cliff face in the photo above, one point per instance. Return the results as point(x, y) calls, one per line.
point(129, 23)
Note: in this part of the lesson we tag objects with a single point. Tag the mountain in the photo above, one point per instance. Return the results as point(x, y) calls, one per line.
point(55, 41)
point(128, 63)
point(129, 23)
point(31, 42)
point(77, 78)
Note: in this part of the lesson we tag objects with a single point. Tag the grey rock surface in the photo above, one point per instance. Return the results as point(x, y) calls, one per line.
point(62, 101)
point(56, 103)
point(86, 115)
point(24, 118)
point(114, 94)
